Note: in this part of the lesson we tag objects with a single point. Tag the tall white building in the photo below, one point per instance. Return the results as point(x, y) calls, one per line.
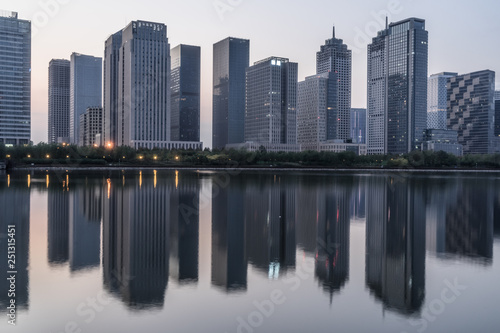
point(312, 109)
point(437, 104)
point(137, 88)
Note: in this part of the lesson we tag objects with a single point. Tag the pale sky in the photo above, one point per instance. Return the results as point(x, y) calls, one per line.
point(463, 35)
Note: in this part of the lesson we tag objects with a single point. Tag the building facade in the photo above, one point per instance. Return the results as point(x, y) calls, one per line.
point(437, 103)
point(90, 126)
point(471, 111)
point(185, 93)
point(497, 114)
point(442, 140)
point(15, 80)
point(111, 68)
point(59, 98)
point(85, 89)
point(335, 59)
point(397, 85)
point(271, 102)
point(231, 57)
point(358, 126)
point(312, 109)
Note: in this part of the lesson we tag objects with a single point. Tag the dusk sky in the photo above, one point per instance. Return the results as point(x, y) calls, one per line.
point(463, 35)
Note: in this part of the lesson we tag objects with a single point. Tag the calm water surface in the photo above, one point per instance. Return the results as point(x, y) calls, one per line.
point(168, 251)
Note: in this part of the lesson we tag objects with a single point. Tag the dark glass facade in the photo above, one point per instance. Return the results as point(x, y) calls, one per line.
point(335, 59)
point(471, 111)
point(59, 86)
point(15, 80)
point(231, 58)
point(185, 93)
point(497, 117)
point(407, 85)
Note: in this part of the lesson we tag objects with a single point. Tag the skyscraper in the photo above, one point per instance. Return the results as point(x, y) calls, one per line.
point(437, 104)
point(358, 126)
point(271, 102)
point(15, 80)
point(111, 68)
point(471, 110)
point(231, 58)
point(185, 93)
point(85, 89)
point(312, 109)
point(90, 126)
point(335, 59)
point(497, 113)
point(397, 87)
point(59, 97)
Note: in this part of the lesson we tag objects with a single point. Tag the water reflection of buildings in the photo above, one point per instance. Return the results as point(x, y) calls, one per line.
point(229, 262)
point(496, 209)
point(136, 239)
point(333, 227)
point(84, 213)
point(358, 199)
point(460, 215)
point(184, 228)
point(270, 224)
point(395, 242)
point(15, 201)
point(58, 225)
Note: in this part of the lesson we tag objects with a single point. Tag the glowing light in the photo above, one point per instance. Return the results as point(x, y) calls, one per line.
point(8, 180)
point(109, 187)
point(109, 145)
point(141, 157)
point(67, 181)
point(140, 178)
point(67, 156)
point(47, 156)
point(176, 158)
point(155, 157)
point(176, 179)
point(29, 181)
point(47, 180)
point(95, 145)
point(8, 156)
point(155, 178)
point(29, 156)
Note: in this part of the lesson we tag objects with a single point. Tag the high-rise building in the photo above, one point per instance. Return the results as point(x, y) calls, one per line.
point(312, 109)
point(471, 111)
point(185, 76)
point(271, 102)
point(59, 96)
point(437, 104)
point(85, 89)
point(335, 59)
point(90, 126)
point(111, 68)
point(231, 58)
point(15, 80)
point(497, 113)
point(358, 126)
point(397, 87)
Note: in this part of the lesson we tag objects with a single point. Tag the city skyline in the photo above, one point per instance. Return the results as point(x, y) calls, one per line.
point(65, 22)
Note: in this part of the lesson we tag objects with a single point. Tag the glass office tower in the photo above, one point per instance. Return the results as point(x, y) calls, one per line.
point(59, 96)
point(397, 86)
point(437, 104)
point(231, 58)
point(185, 92)
point(15, 80)
point(85, 89)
